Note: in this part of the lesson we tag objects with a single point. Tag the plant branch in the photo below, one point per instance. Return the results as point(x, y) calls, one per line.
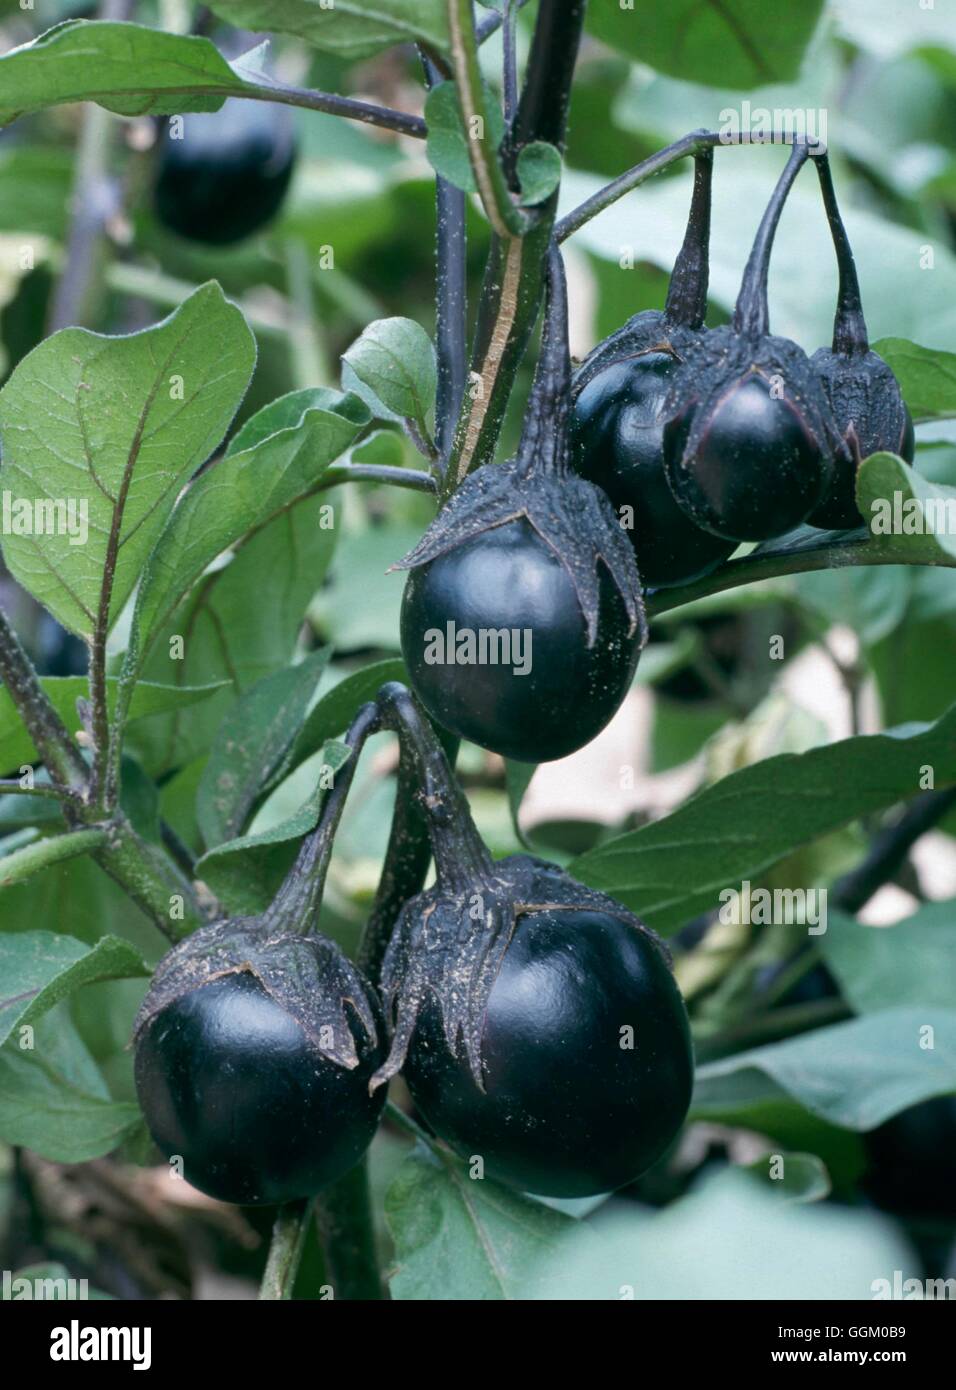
point(801, 555)
point(889, 850)
point(23, 863)
point(492, 22)
point(413, 478)
point(506, 218)
point(11, 786)
point(285, 1250)
point(93, 200)
point(514, 275)
point(365, 111)
point(60, 755)
point(347, 1236)
point(451, 302)
point(692, 144)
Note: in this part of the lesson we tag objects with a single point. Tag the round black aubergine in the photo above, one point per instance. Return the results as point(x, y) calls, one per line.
point(617, 432)
point(758, 470)
point(228, 174)
point(508, 578)
point(229, 1082)
point(567, 1110)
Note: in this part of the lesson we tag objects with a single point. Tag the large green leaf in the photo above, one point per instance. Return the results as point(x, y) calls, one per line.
point(115, 426)
point(278, 457)
point(16, 745)
point(674, 868)
point(913, 962)
point(53, 1098)
point(39, 968)
point(729, 1238)
point(352, 28)
point(229, 634)
point(462, 1238)
point(854, 1074)
point(743, 43)
point(908, 515)
point(127, 68)
point(927, 376)
point(245, 873)
point(251, 744)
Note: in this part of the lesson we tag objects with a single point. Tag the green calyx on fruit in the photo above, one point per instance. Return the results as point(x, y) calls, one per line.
point(748, 447)
point(536, 1021)
point(528, 550)
point(861, 389)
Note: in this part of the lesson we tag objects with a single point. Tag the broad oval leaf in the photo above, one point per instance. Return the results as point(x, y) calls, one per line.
point(854, 1074)
point(127, 68)
point(926, 375)
point(98, 436)
point(908, 515)
point(673, 869)
point(352, 28)
point(746, 42)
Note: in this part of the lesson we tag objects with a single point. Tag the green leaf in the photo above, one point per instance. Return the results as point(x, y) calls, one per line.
point(23, 863)
point(245, 873)
point(793, 1177)
point(447, 143)
point(278, 456)
point(462, 1238)
point(335, 710)
point(127, 68)
point(673, 869)
point(39, 968)
point(16, 746)
point(744, 43)
point(870, 601)
point(908, 516)
point(926, 375)
point(395, 359)
point(115, 426)
point(913, 962)
point(539, 172)
point(229, 634)
point(730, 1239)
point(350, 28)
point(251, 745)
point(53, 1098)
point(854, 1074)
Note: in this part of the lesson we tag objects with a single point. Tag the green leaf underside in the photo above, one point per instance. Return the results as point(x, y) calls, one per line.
point(855, 1074)
point(673, 869)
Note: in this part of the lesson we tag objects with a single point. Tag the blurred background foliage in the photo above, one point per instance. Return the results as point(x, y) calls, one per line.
point(864, 650)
